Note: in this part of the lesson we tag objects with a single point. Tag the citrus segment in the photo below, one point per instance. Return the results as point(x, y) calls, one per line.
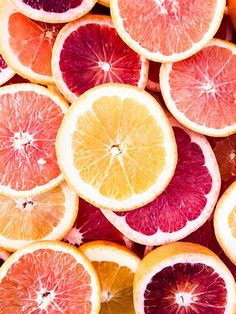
point(89, 52)
point(153, 76)
point(30, 117)
point(205, 102)
point(121, 265)
point(49, 277)
point(5, 72)
point(116, 147)
point(3, 256)
point(167, 31)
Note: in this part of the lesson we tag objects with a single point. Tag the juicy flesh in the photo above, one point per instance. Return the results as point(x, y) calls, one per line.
point(186, 289)
point(118, 147)
point(203, 87)
point(46, 281)
point(29, 123)
point(95, 54)
point(167, 26)
point(55, 6)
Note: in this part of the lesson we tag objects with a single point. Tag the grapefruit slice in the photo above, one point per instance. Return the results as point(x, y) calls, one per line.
point(48, 216)
point(183, 278)
point(54, 11)
point(3, 256)
point(89, 52)
point(27, 45)
point(30, 117)
point(226, 30)
point(116, 147)
point(49, 277)
point(225, 222)
point(153, 82)
point(186, 203)
point(167, 31)
point(5, 72)
point(200, 91)
point(116, 267)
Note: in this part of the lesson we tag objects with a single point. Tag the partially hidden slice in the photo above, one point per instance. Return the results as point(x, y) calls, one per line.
point(48, 216)
point(232, 11)
point(54, 11)
point(183, 278)
point(167, 31)
point(187, 202)
point(27, 44)
point(116, 267)
point(3, 256)
point(200, 91)
point(116, 147)
point(104, 2)
point(49, 277)
point(5, 72)
point(30, 117)
point(225, 222)
point(226, 30)
point(153, 82)
point(89, 52)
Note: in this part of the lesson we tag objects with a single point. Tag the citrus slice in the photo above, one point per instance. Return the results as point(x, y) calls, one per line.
point(232, 11)
point(16, 79)
point(225, 222)
point(226, 30)
point(116, 147)
point(167, 31)
point(116, 267)
point(5, 72)
point(200, 91)
point(153, 76)
point(49, 277)
point(89, 52)
point(30, 116)
point(183, 278)
point(48, 216)
point(54, 11)
point(3, 256)
point(104, 2)
point(27, 45)
point(186, 203)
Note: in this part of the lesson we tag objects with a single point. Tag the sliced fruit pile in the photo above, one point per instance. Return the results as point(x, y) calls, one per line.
point(117, 157)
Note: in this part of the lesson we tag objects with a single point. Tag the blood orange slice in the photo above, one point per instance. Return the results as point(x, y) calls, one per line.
point(186, 203)
point(200, 91)
point(183, 278)
point(30, 117)
point(54, 11)
point(167, 31)
point(49, 277)
point(5, 72)
point(153, 76)
point(27, 45)
point(3, 256)
point(89, 52)
point(226, 31)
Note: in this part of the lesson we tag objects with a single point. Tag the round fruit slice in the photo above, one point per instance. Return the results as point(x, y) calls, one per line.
point(200, 91)
point(54, 11)
point(232, 11)
point(167, 31)
point(89, 52)
point(153, 76)
point(183, 278)
point(49, 277)
point(3, 256)
point(27, 45)
point(186, 203)
point(30, 116)
point(116, 267)
point(5, 72)
point(225, 222)
point(48, 216)
point(104, 2)
point(116, 147)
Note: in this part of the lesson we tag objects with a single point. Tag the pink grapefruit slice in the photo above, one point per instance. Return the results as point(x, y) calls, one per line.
point(200, 91)
point(89, 52)
point(186, 203)
point(49, 277)
point(30, 117)
point(3, 256)
point(5, 72)
point(153, 83)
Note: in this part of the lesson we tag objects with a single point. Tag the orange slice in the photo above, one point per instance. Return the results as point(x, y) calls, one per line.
point(116, 267)
point(116, 147)
point(49, 277)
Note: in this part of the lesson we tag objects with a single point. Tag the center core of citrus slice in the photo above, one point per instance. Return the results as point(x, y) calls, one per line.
point(183, 298)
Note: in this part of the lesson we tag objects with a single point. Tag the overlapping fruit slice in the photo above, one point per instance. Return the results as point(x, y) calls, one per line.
point(89, 52)
point(116, 147)
point(200, 91)
point(5, 72)
point(183, 278)
point(30, 117)
point(49, 277)
point(116, 267)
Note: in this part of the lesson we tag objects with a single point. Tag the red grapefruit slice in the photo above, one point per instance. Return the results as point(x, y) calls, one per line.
point(200, 91)
point(30, 117)
point(5, 72)
point(49, 277)
point(167, 30)
point(226, 31)
point(54, 11)
point(89, 52)
point(153, 83)
point(3, 256)
point(186, 203)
